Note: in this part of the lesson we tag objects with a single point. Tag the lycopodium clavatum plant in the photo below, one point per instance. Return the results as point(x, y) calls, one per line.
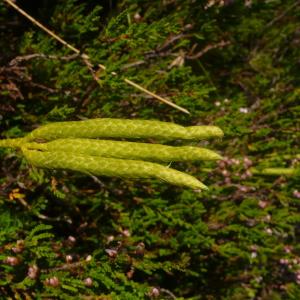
point(76, 145)
point(122, 128)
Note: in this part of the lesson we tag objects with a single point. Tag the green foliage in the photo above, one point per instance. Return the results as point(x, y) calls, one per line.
point(65, 236)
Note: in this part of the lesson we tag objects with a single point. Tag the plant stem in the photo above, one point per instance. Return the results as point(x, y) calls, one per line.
point(275, 171)
point(12, 143)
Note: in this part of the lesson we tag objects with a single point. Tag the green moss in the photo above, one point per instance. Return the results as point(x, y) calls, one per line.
point(240, 239)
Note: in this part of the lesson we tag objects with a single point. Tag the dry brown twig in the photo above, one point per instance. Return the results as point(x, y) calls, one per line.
point(273, 21)
point(86, 58)
point(19, 59)
point(208, 48)
point(13, 74)
point(180, 56)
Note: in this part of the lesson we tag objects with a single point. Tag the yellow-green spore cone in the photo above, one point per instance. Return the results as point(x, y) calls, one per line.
point(127, 150)
point(110, 167)
point(121, 128)
point(12, 143)
point(276, 171)
point(203, 132)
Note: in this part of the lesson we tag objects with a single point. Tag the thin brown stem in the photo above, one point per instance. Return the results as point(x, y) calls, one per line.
point(208, 48)
point(19, 59)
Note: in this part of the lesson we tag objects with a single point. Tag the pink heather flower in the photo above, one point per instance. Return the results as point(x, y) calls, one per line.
point(225, 173)
point(32, 272)
point(69, 258)
point(154, 292)
point(11, 260)
point(283, 261)
point(53, 281)
point(111, 252)
point(288, 249)
point(262, 204)
point(110, 238)
point(88, 258)
point(296, 194)
point(88, 282)
point(126, 232)
point(244, 110)
point(247, 162)
point(269, 231)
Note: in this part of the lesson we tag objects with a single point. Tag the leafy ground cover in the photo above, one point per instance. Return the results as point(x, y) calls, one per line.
point(234, 64)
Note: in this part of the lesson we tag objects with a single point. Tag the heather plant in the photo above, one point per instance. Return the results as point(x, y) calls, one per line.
point(231, 64)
